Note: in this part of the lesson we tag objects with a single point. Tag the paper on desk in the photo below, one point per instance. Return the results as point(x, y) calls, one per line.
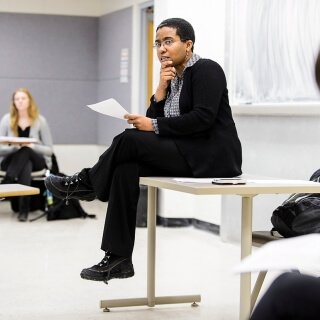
point(17, 140)
point(302, 253)
point(279, 181)
point(192, 180)
point(109, 107)
point(209, 180)
point(201, 180)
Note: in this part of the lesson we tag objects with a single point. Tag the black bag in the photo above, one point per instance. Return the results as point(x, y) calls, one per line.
point(299, 214)
point(142, 207)
point(66, 209)
point(62, 209)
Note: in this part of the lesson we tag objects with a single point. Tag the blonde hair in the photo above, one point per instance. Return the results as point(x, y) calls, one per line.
point(14, 115)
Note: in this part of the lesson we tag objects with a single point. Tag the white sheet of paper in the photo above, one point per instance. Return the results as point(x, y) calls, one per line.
point(209, 180)
point(17, 140)
point(110, 108)
point(282, 181)
point(193, 180)
point(200, 180)
point(302, 253)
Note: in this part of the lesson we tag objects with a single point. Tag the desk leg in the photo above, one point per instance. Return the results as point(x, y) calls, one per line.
point(151, 253)
point(151, 268)
point(151, 300)
point(246, 247)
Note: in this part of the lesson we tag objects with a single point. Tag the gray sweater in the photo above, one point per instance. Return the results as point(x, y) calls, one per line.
point(40, 130)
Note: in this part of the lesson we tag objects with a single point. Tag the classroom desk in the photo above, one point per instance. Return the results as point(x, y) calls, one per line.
point(13, 190)
point(259, 185)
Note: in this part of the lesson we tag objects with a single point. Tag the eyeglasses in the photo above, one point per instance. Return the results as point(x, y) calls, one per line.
point(165, 43)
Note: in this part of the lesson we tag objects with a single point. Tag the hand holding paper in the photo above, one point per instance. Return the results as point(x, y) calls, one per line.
point(110, 108)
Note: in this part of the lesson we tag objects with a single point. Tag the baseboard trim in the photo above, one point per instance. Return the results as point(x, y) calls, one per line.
point(206, 226)
point(174, 222)
point(186, 222)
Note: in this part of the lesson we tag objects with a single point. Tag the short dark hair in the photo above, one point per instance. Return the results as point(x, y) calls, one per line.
point(184, 29)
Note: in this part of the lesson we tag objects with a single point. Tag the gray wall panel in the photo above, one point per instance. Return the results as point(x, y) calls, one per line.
point(67, 62)
point(73, 121)
point(109, 127)
point(48, 46)
point(114, 35)
point(55, 57)
point(63, 103)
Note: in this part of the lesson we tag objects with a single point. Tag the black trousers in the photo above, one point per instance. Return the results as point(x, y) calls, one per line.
point(292, 296)
point(21, 163)
point(115, 178)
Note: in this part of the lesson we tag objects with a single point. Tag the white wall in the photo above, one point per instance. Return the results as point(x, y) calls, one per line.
point(174, 204)
point(208, 20)
point(73, 158)
point(276, 146)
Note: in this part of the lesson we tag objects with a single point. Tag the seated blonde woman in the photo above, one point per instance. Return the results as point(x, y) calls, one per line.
point(19, 160)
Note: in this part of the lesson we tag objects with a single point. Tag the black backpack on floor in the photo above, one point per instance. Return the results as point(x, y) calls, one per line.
point(299, 214)
point(66, 209)
point(62, 209)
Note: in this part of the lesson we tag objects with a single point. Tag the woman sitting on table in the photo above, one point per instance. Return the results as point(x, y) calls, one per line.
point(188, 131)
point(19, 160)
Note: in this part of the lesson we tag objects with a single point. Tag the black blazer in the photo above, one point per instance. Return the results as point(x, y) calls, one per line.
point(205, 132)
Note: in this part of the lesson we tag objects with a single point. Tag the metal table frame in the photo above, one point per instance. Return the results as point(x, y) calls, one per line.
point(247, 193)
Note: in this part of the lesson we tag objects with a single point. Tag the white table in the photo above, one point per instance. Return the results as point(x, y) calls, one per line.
point(262, 185)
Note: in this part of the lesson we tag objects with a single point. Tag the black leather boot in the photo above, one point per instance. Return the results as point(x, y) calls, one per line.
point(23, 208)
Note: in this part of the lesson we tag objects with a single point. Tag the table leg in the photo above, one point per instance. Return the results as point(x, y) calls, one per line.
point(151, 300)
point(246, 247)
point(151, 253)
point(151, 257)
